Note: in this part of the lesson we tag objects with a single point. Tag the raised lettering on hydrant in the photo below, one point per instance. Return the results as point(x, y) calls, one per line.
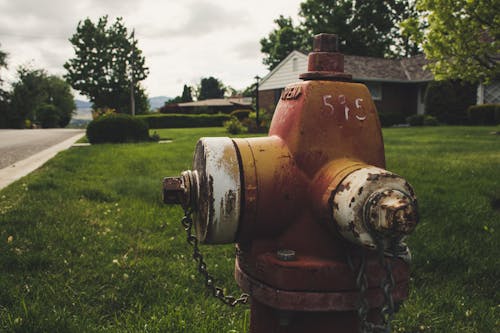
point(318, 222)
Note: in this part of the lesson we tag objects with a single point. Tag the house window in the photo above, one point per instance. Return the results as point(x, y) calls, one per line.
point(375, 90)
point(492, 93)
point(295, 66)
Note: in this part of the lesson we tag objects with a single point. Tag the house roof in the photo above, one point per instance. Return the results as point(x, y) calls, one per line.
point(219, 102)
point(361, 68)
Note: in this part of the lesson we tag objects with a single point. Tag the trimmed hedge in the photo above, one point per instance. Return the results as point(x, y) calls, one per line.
point(388, 119)
point(422, 120)
point(185, 120)
point(117, 128)
point(484, 114)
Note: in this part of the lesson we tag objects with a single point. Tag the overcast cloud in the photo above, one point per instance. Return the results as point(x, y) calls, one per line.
point(182, 40)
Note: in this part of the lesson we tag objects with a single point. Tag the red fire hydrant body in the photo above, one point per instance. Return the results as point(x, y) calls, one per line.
point(306, 204)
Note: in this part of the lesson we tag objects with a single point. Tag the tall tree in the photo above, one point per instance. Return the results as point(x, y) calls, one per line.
point(461, 38)
point(4, 96)
point(367, 28)
point(283, 40)
point(187, 94)
point(210, 87)
point(3, 63)
point(40, 98)
point(107, 60)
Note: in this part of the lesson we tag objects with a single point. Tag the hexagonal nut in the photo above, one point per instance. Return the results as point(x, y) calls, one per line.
point(174, 190)
point(391, 213)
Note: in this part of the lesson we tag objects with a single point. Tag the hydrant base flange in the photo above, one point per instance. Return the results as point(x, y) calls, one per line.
point(320, 300)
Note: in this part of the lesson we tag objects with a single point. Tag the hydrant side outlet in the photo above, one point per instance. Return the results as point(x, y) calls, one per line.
point(218, 205)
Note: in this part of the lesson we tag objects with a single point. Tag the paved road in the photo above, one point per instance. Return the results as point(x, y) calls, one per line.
point(23, 151)
point(17, 145)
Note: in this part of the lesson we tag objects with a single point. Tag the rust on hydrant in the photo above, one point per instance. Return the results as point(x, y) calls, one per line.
point(302, 200)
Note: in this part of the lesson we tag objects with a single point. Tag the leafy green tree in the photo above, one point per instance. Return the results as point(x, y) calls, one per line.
point(3, 63)
point(107, 60)
point(60, 97)
point(366, 28)
point(4, 96)
point(36, 92)
point(187, 94)
point(211, 88)
point(283, 40)
point(461, 38)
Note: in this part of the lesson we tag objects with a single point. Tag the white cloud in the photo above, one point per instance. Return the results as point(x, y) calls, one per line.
point(182, 40)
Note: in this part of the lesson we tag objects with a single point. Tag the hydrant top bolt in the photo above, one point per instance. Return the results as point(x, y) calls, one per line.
point(286, 255)
point(325, 43)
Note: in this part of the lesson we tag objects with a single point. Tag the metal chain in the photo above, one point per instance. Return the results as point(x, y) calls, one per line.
point(387, 285)
point(217, 292)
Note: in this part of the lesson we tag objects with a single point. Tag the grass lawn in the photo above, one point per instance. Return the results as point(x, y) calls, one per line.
point(87, 246)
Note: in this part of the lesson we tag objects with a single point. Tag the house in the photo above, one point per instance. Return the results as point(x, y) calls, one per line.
point(215, 105)
point(396, 85)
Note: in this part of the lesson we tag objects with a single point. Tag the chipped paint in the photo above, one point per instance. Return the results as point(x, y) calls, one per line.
point(372, 200)
point(218, 212)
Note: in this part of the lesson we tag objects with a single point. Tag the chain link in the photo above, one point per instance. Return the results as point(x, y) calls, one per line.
point(387, 285)
point(217, 292)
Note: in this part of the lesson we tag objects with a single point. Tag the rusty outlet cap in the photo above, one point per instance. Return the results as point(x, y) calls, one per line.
point(372, 205)
point(180, 190)
point(391, 213)
point(174, 190)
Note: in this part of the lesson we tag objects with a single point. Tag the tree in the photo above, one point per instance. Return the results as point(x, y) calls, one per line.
point(210, 88)
point(283, 40)
point(366, 28)
point(40, 98)
point(3, 63)
point(107, 60)
point(187, 94)
point(461, 38)
point(4, 96)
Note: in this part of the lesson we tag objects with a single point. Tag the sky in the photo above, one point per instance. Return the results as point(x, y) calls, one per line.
point(182, 40)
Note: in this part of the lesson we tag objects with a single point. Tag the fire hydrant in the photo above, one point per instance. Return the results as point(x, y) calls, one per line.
point(318, 222)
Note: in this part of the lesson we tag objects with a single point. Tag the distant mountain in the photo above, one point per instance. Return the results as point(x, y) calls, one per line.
point(82, 104)
point(157, 101)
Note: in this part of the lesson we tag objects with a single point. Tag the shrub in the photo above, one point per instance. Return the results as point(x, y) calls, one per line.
point(422, 120)
point(416, 120)
point(184, 120)
point(448, 101)
point(388, 119)
point(240, 114)
point(484, 114)
point(430, 121)
point(234, 126)
point(117, 128)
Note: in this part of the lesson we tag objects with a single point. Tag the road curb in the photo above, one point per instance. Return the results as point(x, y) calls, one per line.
point(22, 168)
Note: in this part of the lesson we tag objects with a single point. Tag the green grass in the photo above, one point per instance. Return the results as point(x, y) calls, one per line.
point(87, 246)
